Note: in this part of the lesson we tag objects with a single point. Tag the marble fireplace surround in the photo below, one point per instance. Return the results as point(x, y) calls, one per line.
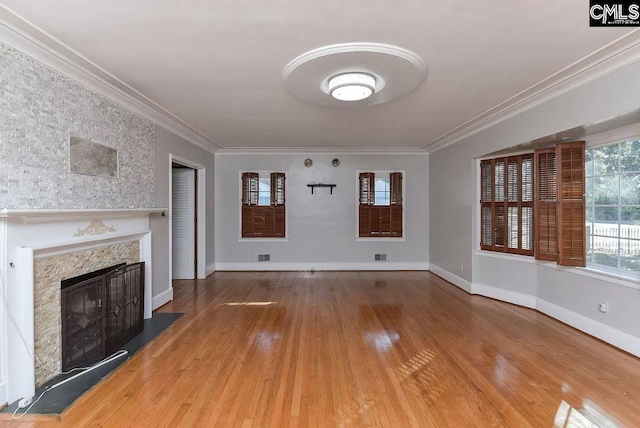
point(29, 237)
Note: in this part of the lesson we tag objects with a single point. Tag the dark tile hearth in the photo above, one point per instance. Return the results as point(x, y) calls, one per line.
point(56, 401)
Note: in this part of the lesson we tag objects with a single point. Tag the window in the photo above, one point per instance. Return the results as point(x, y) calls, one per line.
point(613, 206)
point(263, 205)
point(380, 207)
point(507, 204)
point(534, 204)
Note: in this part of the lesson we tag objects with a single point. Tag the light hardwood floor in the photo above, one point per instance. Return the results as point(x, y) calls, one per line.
point(389, 349)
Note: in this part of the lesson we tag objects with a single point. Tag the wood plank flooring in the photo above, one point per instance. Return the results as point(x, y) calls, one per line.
point(363, 349)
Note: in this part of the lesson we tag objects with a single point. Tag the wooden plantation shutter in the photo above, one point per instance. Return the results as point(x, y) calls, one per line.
point(506, 204)
point(278, 203)
point(249, 203)
point(545, 203)
point(571, 204)
point(365, 206)
point(526, 205)
point(486, 204)
point(382, 221)
point(395, 204)
point(263, 221)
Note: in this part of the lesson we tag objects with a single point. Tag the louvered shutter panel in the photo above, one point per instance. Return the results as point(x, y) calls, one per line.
point(545, 204)
point(486, 211)
point(499, 204)
point(395, 184)
point(396, 203)
point(278, 202)
point(526, 207)
point(512, 180)
point(280, 218)
point(571, 204)
point(365, 217)
point(269, 221)
point(277, 188)
point(249, 203)
point(375, 220)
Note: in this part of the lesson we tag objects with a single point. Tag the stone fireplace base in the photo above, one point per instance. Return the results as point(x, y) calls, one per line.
point(48, 273)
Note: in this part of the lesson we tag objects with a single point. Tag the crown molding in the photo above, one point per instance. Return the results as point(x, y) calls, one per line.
point(617, 54)
point(34, 43)
point(323, 150)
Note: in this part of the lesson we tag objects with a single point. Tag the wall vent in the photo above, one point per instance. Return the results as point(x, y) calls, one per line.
point(381, 257)
point(264, 257)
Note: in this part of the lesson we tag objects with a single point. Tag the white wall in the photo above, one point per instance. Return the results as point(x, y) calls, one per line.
point(566, 294)
point(321, 227)
point(168, 143)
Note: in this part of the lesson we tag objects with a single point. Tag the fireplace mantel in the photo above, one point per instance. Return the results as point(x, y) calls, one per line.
point(46, 216)
point(27, 235)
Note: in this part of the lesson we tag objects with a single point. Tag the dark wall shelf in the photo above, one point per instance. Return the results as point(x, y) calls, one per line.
point(313, 186)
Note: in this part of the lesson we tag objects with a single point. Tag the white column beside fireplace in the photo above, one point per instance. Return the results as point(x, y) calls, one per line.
point(27, 235)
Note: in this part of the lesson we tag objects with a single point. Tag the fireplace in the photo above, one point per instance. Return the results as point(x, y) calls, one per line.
point(101, 311)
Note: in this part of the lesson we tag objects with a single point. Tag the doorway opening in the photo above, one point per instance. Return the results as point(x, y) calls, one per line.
point(186, 211)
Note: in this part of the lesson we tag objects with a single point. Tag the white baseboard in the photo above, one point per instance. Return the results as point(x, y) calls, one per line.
point(210, 269)
point(508, 296)
point(610, 335)
point(308, 266)
point(162, 298)
point(603, 332)
point(452, 278)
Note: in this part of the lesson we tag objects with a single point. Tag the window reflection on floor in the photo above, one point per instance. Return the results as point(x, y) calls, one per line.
point(589, 416)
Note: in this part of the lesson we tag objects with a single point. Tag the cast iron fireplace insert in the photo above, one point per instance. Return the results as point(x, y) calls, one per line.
point(101, 311)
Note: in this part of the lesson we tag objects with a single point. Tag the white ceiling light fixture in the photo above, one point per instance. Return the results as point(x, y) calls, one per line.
point(354, 75)
point(354, 86)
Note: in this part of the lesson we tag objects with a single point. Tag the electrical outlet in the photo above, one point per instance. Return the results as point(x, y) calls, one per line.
point(25, 402)
point(603, 307)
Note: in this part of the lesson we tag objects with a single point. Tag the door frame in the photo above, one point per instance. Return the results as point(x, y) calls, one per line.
point(201, 256)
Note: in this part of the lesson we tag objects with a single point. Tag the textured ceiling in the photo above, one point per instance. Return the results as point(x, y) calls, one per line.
point(217, 64)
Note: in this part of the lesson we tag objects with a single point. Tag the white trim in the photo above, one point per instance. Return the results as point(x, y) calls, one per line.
point(594, 328)
point(381, 239)
point(265, 239)
point(323, 266)
point(3, 315)
point(613, 136)
point(201, 225)
point(508, 256)
point(145, 255)
point(32, 41)
point(617, 54)
point(57, 248)
point(162, 298)
point(322, 150)
point(48, 216)
point(210, 269)
point(21, 380)
point(603, 332)
point(450, 277)
point(520, 299)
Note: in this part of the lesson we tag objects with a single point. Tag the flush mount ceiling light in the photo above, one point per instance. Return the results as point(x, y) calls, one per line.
point(352, 86)
point(354, 74)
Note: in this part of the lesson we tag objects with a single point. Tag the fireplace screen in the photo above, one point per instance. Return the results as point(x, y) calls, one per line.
point(125, 316)
point(100, 313)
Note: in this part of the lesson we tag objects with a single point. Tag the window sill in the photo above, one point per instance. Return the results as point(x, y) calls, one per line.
point(628, 281)
point(263, 239)
point(375, 239)
point(506, 256)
